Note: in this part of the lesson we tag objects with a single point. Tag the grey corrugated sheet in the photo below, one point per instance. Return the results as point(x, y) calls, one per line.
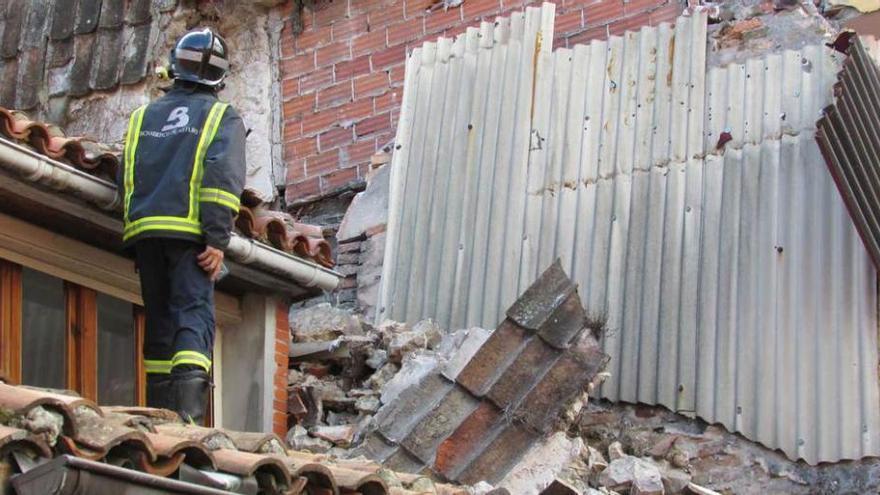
point(734, 284)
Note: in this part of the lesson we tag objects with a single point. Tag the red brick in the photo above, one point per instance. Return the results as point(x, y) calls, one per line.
point(296, 66)
point(288, 43)
point(583, 38)
point(639, 6)
point(353, 68)
point(292, 128)
point(383, 140)
point(323, 163)
point(387, 58)
point(385, 16)
point(368, 43)
point(667, 13)
point(359, 152)
point(602, 12)
point(332, 53)
point(569, 22)
point(367, 6)
point(370, 85)
point(311, 39)
point(629, 24)
point(373, 125)
point(354, 111)
point(296, 169)
point(335, 95)
point(397, 75)
point(301, 148)
point(304, 189)
point(338, 179)
point(386, 102)
point(319, 121)
point(347, 29)
point(418, 8)
point(442, 19)
point(298, 106)
point(289, 87)
point(334, 138)
point(474, 9)
point(405, 31)
point(327, 11)
point(315, 80)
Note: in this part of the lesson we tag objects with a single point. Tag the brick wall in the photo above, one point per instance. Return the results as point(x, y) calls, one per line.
point(342, 77)
point(279, 378)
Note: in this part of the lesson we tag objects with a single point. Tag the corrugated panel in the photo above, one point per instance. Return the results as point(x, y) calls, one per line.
point(734, 285)
point(849, 135)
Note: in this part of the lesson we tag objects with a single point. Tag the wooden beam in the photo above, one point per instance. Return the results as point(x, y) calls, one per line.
point(82, 340)
point(140, 374)
point(10, 321)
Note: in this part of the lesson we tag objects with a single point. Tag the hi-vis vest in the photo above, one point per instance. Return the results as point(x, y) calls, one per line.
point(183, 169)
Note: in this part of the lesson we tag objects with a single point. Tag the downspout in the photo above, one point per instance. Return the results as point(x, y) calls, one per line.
point(62, 177)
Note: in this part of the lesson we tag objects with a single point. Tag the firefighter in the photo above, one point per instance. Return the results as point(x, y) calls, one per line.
point(183, 174)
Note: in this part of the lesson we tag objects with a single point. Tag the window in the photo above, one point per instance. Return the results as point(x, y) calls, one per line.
point(57, 334)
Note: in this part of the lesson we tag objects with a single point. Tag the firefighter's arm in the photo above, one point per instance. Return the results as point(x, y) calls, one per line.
point(223, 180)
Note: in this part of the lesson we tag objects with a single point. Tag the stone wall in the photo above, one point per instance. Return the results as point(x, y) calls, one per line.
point(85, 66)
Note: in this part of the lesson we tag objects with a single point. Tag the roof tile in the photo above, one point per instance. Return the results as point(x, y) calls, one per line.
point(106, 62)
point(501, 455)
point(538, 302)
point(439, 423)
point(138, 11)
point(87, 16)
point(564, 323)
point(80, 73)
point(137, 41)
point(402, 460)
point(496, 354)
point(396, 419)
point(30, 77)
point(469, 439)
point(14, 439)
point(62, 20)
point(34, 27)
point(15, 14)
point(521, 375)
point(112, 14)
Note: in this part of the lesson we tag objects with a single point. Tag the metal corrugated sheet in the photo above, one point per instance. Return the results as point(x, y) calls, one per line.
point(734, 284)
point(849, 136)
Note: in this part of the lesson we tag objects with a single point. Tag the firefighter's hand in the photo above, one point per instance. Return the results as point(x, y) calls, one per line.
point(211, 260)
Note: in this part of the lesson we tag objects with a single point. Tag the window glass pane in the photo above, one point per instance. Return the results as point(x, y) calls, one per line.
point(116, 352)
point(43, 356)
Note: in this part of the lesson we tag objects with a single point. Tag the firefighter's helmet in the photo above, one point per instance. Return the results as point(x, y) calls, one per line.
point(200, 56)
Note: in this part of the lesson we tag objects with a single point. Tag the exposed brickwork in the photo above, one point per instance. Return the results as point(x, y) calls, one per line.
point(279, 378)
point(342, 77)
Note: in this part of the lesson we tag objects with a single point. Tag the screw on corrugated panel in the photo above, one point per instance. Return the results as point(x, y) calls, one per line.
point(782, 116)
point(398, 146)
point(807, 65)
point(460, 247)
point(739, 409)
point(687, 209)
point(779, 249)
point(613, 85)
point(681, 387)
point(382, 309)
point(801, 442)
point(470, 126)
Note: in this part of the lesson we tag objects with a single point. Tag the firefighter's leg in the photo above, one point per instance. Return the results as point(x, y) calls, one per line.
point(192, 305)
point(160, 328)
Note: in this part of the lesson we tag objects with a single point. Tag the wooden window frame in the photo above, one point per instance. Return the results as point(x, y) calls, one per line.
point(81, 335)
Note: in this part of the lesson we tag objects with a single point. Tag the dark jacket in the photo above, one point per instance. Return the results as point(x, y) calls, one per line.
point(184, 169)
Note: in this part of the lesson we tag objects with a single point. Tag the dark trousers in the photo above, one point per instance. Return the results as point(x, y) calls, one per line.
point(179, 305)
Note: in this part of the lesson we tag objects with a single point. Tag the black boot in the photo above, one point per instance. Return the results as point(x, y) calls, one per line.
point(189, 390)
point(159, 391)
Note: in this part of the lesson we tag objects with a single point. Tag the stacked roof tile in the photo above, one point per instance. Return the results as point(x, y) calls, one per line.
point(40, 424)
point(72, 47)
point(256, 220)
point(473, 421)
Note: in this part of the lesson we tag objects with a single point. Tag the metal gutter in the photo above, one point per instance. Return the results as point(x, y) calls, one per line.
point(62, 177)
point(68, 475)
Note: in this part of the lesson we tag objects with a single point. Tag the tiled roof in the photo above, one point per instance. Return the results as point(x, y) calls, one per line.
point(45, 424)
point(72, 47)
point(255, 219)
point(474, 421)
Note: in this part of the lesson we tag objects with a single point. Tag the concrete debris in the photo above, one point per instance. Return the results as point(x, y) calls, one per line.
point(636, 475)
point(423, 335)
point(615, 451)
point(43, 423)
point(340, 435)
point(299, 439)
point(699, 490)
point(321, 323)
point(546, 462)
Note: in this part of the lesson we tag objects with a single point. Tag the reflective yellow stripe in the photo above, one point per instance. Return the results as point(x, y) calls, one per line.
point(209, 131)
point(191, 357)
point(221, 197)
point(175, 224)
point(131, 143)
point(157, 366)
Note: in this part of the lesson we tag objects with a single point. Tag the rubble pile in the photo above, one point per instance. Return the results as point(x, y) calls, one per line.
point(343, 370)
